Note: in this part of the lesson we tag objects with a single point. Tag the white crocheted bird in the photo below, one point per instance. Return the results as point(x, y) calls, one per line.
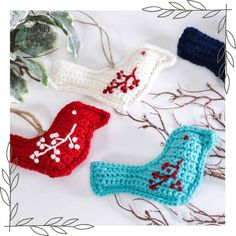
point(120, 86)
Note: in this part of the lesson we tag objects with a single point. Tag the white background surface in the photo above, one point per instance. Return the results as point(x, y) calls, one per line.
point(121, 140)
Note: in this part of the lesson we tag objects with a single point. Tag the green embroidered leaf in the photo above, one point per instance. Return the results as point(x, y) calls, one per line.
point(64, 20)
point(18, 87)
point(17, 17)
point(36, 69)
point(36, 39)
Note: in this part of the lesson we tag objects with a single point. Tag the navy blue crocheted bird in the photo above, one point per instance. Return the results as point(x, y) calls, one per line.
point(202, 50)
point(171, 178)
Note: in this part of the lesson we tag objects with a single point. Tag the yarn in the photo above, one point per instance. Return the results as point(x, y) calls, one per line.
point(203, 50)
point(171, 178)
point(64, 146)
point(120, 86)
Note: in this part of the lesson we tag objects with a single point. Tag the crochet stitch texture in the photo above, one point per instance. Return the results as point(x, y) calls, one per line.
point(64, 146)
point(120, 86)
point(203, 50)
point(171, 178)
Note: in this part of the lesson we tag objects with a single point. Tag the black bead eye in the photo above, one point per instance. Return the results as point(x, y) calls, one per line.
point(186, 137)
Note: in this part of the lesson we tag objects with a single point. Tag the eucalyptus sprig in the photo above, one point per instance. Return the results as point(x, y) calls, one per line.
point(33, 35)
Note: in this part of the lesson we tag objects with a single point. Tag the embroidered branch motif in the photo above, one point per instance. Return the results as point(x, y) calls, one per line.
point(163, 178)
point(55, 142)
point(123, 82)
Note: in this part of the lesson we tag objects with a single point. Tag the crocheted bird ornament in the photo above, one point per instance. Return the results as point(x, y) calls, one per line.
point(64, 146)
point(120, 86)
point(202, 50)
point(171, 178)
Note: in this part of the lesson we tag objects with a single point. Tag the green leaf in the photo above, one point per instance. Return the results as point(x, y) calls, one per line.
point(36, 69)
point(36, 39)
point(41, 18)
point(17, 17)
point(12, 40)
point(13, 56)
point(18, 87)
point(64, 21)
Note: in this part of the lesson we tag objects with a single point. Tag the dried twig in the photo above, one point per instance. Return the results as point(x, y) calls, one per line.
point(183, 94)
point(200, 217)
point(160, 219)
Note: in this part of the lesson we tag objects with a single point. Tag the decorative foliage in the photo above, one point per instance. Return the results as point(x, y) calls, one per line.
point(32, 35)
point(35, 39)
point(64, 20)
point(18, 88)
point(11, 179)
point(56, 224)
point(178, 11)
point(17, 17)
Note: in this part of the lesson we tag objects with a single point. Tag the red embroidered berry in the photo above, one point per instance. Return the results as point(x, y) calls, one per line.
point(168, 170)
point(178, 183)
point(179, 189)
point(186, 137)
point(118, 75)
point(153, 187)
point(110, 91)
point(123, 89)
point(104, 91)
point(165, 165)
point(172, 186)
point(156, 175)
point(131, 87)
point(143, 53)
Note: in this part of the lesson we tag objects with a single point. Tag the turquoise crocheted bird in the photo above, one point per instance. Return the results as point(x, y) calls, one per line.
point(171, 178)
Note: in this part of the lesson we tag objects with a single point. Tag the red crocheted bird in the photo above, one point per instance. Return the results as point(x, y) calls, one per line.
point(64, 146)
